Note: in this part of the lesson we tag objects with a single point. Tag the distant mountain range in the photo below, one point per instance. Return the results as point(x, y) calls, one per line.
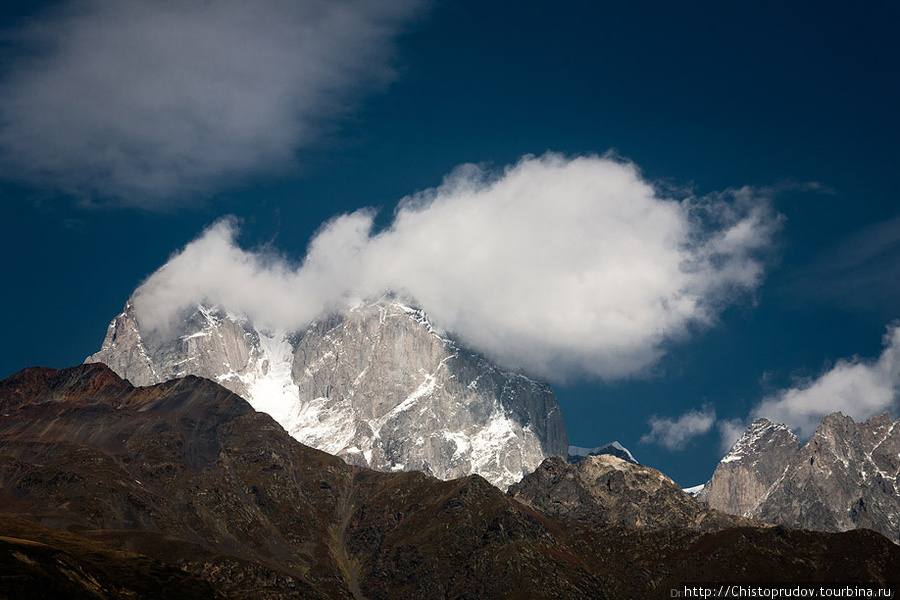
point(182, 489)
point(844, 477)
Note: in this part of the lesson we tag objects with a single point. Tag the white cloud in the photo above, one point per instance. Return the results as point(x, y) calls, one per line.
point(261, 285)
point(862, 270)
point(556, 266)
point(860, 388)
point(674, 434)
point(149, 102)
point(730, 431)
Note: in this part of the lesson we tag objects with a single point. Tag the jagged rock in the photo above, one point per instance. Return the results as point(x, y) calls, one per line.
point(207, 342)
point(844, 478)
point(607, 490)
point(835, 482)
point(750, 468)
point(377, 385)
point(380, 387)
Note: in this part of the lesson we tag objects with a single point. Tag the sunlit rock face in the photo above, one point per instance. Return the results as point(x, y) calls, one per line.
point(844, 478)
point(606, 490)
point(375, 384)
point(753, 464)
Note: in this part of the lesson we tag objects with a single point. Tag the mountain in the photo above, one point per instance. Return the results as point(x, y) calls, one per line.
point(754, 463)
point(577, 454)
point(844, 477)
point(186, 474)
point(606, 490)
point(377, 385)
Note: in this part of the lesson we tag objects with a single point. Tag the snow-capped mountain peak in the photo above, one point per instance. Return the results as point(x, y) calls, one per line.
point(377, 384)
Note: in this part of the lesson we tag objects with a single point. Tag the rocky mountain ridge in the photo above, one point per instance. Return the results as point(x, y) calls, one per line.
point(844, 477)
point(377, 385)
point(187, 473)
point(606, 490)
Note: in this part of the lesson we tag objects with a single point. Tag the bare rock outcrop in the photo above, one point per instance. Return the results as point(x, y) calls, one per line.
point(381, 388)
point(753, 464)
point(606, 490)
point(835, 482)
point(843, 478)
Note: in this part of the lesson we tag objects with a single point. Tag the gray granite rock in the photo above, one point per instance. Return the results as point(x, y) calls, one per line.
point(753, 464)
point(844, 478)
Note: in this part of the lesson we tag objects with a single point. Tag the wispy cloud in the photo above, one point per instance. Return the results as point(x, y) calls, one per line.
point(730, 431)
point(557, 266)
point(149, 103)
point(857, 387)
point(675, 434)
point(860, 271)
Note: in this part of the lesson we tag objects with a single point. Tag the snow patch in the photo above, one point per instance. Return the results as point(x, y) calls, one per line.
point(694, 490)
point(199, 334)
point(322, 423)
point(273, 392)
point(749, 442)
point(584, 452)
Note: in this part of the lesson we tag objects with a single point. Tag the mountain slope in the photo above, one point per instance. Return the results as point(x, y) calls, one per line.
point(186, 468)
point(38, 563)
point(376, 385)
point(607, 490)
point(187, 473)
point(844, 478)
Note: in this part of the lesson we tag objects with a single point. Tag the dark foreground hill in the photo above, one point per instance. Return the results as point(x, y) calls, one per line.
point(37, 563)
point(185, 480)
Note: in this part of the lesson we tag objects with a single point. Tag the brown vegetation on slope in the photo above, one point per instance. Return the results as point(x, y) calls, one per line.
point(187, 473)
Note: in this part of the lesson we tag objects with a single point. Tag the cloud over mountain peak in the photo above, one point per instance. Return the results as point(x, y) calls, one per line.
point(559, 266)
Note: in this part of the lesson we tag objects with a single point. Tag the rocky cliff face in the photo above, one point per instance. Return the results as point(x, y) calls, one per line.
point(207, 342)
point(186, 473)
point(750, 468)
point(844, 478)
point(379, 387)
point(376, 385)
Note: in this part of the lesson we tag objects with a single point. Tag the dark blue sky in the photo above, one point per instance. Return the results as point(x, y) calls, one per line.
point(710, 95)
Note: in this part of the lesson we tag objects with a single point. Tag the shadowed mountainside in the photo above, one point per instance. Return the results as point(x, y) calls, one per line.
point(38, 563)
point(187, 473)
point(606, 490)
